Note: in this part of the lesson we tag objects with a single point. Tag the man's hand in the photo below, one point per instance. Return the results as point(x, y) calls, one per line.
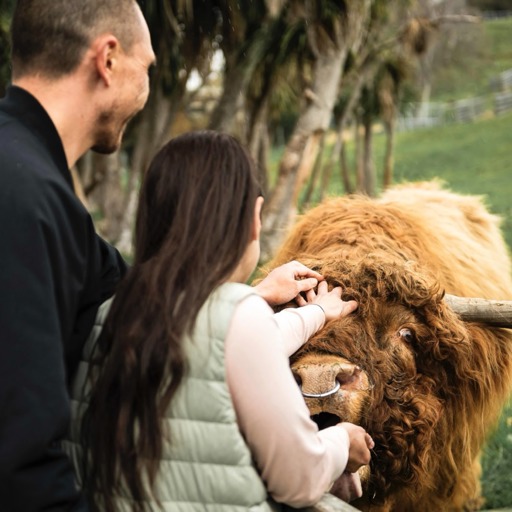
point(286, 282)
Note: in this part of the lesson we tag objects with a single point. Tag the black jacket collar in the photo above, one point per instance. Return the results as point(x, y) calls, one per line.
point(24, 107)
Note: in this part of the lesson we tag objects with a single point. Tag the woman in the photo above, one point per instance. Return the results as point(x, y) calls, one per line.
point(193, 405)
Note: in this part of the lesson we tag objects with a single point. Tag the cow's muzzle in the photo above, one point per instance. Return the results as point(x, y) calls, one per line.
point(328, 376)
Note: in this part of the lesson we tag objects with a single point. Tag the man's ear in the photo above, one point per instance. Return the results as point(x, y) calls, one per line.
point(256, 226)
point(106, 50)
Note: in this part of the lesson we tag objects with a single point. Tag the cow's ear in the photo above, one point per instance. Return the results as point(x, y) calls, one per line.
point(450, 345)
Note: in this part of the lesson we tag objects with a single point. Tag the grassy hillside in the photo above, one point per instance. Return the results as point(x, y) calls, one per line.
point(471, 158)
point(484, 51)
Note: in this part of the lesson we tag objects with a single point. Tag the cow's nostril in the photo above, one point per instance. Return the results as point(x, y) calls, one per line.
point(346, 377)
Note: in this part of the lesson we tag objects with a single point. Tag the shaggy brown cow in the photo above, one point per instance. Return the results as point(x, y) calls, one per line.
point(427, 386)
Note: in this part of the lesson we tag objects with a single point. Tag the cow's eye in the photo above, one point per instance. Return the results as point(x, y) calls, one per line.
point(406, 334)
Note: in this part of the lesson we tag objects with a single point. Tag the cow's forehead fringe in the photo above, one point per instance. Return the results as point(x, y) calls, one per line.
point(379, 277)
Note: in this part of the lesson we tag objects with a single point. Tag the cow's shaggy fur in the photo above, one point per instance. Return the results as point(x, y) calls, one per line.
point(437, 383)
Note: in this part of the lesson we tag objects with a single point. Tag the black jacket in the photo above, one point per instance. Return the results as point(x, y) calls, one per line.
point(54, 273)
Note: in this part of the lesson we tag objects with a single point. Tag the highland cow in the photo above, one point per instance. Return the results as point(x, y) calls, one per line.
point(426, 385)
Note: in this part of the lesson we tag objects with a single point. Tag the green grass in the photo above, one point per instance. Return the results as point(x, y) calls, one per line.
point(497, 464)
point(471, 158)
point(485, 52)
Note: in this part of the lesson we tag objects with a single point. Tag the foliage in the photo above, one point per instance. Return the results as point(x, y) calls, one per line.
point(6, 7)
point(490, 5)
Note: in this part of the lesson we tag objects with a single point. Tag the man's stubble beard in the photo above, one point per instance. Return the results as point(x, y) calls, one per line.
point(108, 136)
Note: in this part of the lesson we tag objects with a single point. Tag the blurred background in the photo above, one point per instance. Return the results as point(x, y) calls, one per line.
point(331, 97)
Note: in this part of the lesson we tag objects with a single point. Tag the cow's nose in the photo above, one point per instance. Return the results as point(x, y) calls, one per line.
point(323, 380)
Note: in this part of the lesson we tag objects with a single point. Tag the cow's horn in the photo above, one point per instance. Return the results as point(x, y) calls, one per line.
point(497, 313)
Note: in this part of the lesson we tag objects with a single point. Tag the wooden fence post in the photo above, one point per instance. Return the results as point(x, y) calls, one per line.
point(502, 102)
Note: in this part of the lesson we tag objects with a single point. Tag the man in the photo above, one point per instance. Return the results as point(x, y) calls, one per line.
point(80, 73)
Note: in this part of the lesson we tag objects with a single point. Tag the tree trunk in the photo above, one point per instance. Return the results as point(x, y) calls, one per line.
point(365, 74)
point(344, 169)
point(324, 182)
point(108, 195)
point(389, 127)
point(258, 142)
point(359, 155)
point(263, 156)
point(302, 149)
point(315, 174)
point(239, 70)
point(223, 116)
point(368, 168)
point(155, 125)
point(77, 185)
point(125, 237)
point(333, 158)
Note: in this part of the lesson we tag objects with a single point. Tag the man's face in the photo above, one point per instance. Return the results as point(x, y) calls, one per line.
point(131, 92)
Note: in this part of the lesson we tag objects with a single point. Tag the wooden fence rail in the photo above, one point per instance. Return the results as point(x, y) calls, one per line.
point(502, 82)
point(461, 111)
point(328, 503)
point(493, 15)
point(469, 109)
point(502, 102)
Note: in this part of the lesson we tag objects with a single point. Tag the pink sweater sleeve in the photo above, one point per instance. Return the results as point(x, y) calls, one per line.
point(297, 325)
point(297, 462)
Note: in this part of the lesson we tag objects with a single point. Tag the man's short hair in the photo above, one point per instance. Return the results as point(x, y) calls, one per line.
point(50, 37)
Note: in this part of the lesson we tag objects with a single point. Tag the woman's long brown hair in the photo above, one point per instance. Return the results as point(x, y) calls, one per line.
point(193, 226)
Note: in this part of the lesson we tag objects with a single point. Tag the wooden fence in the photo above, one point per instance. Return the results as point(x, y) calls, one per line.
point(469, 109)
point(461, 111)
point(438, 113)
point(502, 102)
point(328, 503)
point(502, 82)
point(493, 15)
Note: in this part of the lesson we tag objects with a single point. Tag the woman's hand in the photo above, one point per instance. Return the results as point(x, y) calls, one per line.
point(286, 282)
point(329, 301)
point(360, 445)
